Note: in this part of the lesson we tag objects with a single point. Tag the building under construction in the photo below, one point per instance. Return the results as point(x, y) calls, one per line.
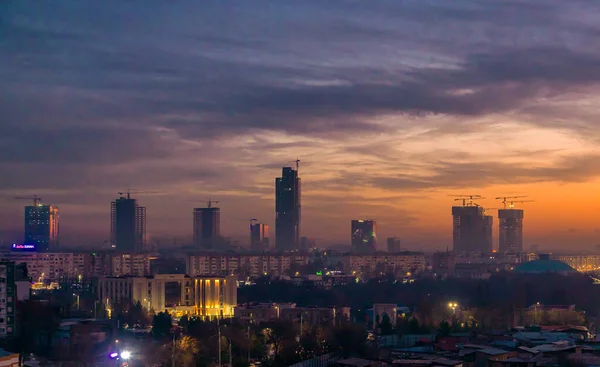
point(127, 224)
point(472, 229)
point(510, 230)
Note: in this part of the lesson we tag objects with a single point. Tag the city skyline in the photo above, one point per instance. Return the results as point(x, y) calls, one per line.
point(389, 112)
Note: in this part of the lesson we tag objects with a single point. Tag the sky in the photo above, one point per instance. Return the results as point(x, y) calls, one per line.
point(391, 106)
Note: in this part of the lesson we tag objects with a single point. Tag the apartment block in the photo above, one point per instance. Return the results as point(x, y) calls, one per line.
point(402, 262)
point(8, 299)
point(250, 264)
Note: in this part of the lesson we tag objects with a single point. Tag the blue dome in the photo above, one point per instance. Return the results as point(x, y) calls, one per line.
point(544, 266)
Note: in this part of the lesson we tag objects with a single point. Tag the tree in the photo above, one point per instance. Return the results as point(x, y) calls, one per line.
point(444, 328)
point(162, 324)
point(413, 326)
point(348, 340)
point(185, 351)
point(282, 337)
point(386, 325)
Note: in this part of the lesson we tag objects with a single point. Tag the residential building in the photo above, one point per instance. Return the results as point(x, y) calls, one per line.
point(118, 264)
point(128, 225)
point(472, 229)
point(252, 264)
point(510, 230)
point(51, 266)
point(76, 266)
point(393, 244)
point(8, 299)
point(315, 315)
point(259, 236)
point(443, 262)
point(363, 235)
point(399, 263)
point(179, 294)
point(287, 210)
point(41, 227)
point(260, 312)
point(207, 227)
point(580, 262)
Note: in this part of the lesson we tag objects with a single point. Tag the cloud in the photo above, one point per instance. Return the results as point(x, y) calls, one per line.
point(211, 97)
point(483, 174)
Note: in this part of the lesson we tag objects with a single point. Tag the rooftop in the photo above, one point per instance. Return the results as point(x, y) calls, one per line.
point(544, 266)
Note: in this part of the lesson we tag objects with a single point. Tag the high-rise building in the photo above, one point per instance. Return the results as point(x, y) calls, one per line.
point(287, 210)
point(207, 227)
point(510, 230)
point(41, 227)
point(393, 244)
point(364, 235)
point(127, 225)
point(259, 236)
point(472, 229)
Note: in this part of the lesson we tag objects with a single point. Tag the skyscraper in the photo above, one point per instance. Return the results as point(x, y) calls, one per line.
point(364, 235)
point(510, 230)
point(472, 229)
point(393, 244)
point(127, 225)
point(287, 210)
point(41, 227)
point(259, 236)
point(207, 227)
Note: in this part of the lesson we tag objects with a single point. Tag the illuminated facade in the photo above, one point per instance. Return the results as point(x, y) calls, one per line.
point(178, 294)
point(364, 235)
point(287, 210)
point(41, 227)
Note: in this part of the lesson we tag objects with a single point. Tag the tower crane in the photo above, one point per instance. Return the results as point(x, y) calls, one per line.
point(297, 161)
point(467, 200)
point(208, 202)
point(484, 209)
point(129, 192)
point(511, 205)
point(505, 199)
point(36, 199)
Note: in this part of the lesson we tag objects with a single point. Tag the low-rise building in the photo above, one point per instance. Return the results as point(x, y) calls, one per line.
point(260, 312)
point(179, 294)
point(315, 315)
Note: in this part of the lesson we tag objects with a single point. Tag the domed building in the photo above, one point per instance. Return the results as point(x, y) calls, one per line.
point(544, 266)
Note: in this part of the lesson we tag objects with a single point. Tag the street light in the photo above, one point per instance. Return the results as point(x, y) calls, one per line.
point(125, 355)
point(453, 306)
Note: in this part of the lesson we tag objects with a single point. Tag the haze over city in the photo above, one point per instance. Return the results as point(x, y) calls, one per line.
point(390, 106)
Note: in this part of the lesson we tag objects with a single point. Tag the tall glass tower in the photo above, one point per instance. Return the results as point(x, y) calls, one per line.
point(41, 227)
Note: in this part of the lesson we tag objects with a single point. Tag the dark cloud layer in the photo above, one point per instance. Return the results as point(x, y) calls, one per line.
point(202, 94)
